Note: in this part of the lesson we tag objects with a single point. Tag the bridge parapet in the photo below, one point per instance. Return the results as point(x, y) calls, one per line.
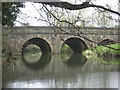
point(51, 30)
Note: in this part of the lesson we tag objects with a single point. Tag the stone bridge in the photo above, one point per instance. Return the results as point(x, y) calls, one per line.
point(51, 39)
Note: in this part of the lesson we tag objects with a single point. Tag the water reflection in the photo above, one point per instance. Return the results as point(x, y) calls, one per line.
point(41, 62)
point(58, 72)
point(74, 60)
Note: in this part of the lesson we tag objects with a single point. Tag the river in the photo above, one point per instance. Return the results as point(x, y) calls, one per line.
point(59, 71)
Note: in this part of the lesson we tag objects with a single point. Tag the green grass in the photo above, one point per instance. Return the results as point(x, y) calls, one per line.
point(99, 51)
point(103, 49)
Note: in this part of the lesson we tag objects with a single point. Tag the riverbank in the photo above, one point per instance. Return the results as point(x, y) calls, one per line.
point(104, 54)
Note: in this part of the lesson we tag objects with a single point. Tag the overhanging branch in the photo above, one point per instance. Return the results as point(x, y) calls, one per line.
point(69, 6)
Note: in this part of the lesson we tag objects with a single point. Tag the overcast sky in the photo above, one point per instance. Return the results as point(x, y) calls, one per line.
point(31, 11)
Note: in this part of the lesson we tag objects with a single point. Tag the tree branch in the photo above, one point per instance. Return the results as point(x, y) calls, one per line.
point(80, 35)
point(69, 6)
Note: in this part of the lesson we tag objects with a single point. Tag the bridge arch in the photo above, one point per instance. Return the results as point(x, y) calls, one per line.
point(76, 44)
point(43, 44)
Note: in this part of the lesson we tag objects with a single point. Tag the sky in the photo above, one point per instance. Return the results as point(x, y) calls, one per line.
point(30, 11)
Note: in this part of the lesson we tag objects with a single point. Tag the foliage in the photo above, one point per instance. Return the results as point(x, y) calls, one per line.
point(9, 12)
point(32, 48)
point(65, 56)
point(105, 61)
point(102, 49)
point(99, 52)
point(8, 59)
point(62, 17)
point(66, 49)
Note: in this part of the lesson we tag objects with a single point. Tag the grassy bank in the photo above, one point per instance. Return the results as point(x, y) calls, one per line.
point(104, 54)
point(102, 50)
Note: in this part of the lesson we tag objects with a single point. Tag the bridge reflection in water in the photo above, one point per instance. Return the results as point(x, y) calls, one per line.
point(59, 71)
point(41, 62)
point(76, 59)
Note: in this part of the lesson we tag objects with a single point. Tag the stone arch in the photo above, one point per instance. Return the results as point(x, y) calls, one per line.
point(76, 44)
point(43, 44)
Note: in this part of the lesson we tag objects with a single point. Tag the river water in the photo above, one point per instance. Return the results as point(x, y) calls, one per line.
point(59, 71)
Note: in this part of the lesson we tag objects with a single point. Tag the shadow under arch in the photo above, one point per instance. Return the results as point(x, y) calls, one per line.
point(42, 62)
point(76, 59)
point(44, 46)
point(76, 44)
